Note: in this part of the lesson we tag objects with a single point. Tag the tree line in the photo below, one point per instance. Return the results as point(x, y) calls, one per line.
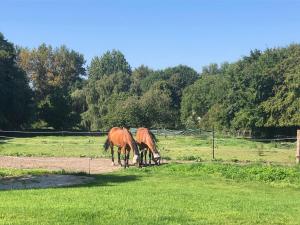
point(48, 87)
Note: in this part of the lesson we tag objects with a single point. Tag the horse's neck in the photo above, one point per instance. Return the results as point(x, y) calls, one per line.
point(152, 144)
point(133, 146)
point(131, 142)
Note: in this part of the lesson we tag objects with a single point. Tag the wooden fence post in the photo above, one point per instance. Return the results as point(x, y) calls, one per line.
point(298, 147)
point(213, 142)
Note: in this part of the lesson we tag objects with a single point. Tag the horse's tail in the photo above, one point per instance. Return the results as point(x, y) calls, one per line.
point(106, 144)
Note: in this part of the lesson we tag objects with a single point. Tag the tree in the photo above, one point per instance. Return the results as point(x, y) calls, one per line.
point(198, 98)
point(52, 74)
point(109, 63)
point(15, 94)
point(99, 96)
point(258, 93)
point(128, 112)
point(282, 109)
point(180, 77)
point(158, 108)
point(137, 77)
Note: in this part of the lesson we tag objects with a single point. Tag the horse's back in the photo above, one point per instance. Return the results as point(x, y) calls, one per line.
point(140, 134)
point(120, 136)
point(143, 136)
point(116, 136)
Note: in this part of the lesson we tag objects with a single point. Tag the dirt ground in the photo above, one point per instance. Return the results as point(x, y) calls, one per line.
point(69, 164)
point(87, 165)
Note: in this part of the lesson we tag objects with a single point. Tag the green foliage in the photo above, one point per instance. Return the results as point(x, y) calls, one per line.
point(109, 63)
point(288, 176)
point(15, 94)
point(115, 96)
point(206, 93)
point(256, 95)
point(258, 91)
point(53, 73)
point(139, 75)
point(158, 108)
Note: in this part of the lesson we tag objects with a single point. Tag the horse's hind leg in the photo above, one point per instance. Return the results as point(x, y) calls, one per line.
point(127, 158)
point(141, 154)
point(150, 154)
point(141, 159)
point(145, 160)
point(112, 155)
point(119, 156)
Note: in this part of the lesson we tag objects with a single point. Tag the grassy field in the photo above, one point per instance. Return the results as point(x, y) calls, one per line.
point(171, 147)
point(8, 172)
point(201, 193)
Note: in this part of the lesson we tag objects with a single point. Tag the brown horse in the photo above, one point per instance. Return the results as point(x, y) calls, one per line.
point(122, 138)
point(147, 142)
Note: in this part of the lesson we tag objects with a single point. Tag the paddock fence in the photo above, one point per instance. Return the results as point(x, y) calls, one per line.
point(183, 145)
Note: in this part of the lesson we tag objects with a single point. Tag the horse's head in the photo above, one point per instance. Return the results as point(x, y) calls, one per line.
point(156, 158)
point(136, 159)
point(136, 153)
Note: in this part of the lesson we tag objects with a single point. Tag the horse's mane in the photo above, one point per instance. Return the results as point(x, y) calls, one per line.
point(128, 131)
point(153, 137)
point(130, 134)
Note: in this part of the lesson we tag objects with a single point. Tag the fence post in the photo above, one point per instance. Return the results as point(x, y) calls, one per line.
point(90, 156)
point(213, 143)
point(62, 145)
point(298, 147)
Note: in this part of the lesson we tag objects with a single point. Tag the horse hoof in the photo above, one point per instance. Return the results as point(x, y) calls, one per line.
point(113, 164)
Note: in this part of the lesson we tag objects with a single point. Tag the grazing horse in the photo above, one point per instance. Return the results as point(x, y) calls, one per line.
point(147, 142)
point(122, 138)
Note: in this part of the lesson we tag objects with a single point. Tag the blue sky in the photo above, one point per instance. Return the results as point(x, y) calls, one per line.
point(157, 33)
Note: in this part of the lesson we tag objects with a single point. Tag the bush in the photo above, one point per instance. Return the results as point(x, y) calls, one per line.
point(252, 172)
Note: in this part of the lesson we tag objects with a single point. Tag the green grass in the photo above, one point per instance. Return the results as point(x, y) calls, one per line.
point(171, 194)
point(12, 172)
point(171, 147)
point(21, 172)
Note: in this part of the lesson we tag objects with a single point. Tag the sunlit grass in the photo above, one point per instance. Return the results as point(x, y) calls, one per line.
point(170, 194)
point(171, 147)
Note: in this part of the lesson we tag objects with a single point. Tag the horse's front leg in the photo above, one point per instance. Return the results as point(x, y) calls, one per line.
point(145, 155)
point(112, 155)
point(141, 158)
point(150, 154)
point(125, 156)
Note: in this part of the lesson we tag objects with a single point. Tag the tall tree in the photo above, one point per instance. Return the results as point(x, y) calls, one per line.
point(15, 94)
point(110, 62)
point(138, 75)
point(108, 75)
point(261, 93)
point(198, 98)
point(53, 73)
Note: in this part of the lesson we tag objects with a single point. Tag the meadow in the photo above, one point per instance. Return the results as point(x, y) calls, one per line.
point(190, 148)
point(200, 192)
point(197, 193)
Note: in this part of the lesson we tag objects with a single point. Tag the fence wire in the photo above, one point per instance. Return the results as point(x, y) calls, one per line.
point(190, 144)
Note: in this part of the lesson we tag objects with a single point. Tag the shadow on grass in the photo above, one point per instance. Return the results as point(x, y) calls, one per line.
point(63, 181)
point(111, 179)
point(3, 139)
